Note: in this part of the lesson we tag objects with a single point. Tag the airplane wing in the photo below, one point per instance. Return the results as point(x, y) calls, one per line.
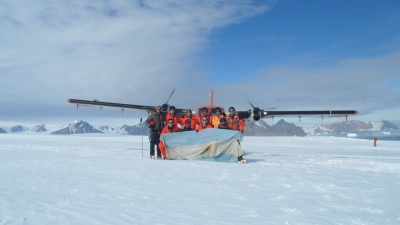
point(328, 113)
point(257, 114)
point(96, 103)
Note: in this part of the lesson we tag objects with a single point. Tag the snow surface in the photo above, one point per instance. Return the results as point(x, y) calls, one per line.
point(102, 179)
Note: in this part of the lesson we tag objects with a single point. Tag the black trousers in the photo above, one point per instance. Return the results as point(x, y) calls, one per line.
point(154, 140)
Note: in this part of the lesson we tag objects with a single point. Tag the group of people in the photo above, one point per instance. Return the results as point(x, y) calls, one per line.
point(161, 123)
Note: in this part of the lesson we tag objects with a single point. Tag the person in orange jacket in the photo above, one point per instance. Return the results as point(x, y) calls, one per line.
point(187, 126)
point(216, 118)
point(234, 121)
point(224, 125)
point(204, 112)
point(172, 114)
point(192, 119)
point(170, 128)
point(204, 124)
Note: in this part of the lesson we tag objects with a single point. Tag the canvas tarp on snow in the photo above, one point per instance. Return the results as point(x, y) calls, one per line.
point(208, 144)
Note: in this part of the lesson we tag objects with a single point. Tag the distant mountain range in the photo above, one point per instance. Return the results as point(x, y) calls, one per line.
point(281, 128)
point(354, 126)
point(260, 128)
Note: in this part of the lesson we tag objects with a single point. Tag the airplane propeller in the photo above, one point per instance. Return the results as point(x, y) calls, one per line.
point(255, 112)
point(255, 115)
point(165, 106)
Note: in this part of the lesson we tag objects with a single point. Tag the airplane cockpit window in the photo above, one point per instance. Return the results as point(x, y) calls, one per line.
point(199, 111)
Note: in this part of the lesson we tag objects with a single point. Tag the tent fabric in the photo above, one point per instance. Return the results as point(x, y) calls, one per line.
point(209, 144)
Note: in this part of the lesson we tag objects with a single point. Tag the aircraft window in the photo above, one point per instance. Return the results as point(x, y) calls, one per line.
point(199, 111)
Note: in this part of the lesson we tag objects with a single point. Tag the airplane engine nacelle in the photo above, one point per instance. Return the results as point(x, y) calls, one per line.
point(256, 117)
point(256, 114)
point(164, 107)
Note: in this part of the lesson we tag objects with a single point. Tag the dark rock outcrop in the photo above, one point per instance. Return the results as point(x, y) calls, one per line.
point(2, 131)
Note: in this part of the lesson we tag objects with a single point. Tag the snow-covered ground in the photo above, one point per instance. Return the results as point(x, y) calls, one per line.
point(102, 179)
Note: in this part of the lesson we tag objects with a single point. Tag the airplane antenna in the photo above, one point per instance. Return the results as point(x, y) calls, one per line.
point(211, 97)
point(170, 95)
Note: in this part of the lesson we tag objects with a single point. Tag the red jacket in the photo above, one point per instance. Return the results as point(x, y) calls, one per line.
point(161, 144)
point(175, 117)
point(202, 128)
point(234, 122)
point(166, 130)
point(193, 121)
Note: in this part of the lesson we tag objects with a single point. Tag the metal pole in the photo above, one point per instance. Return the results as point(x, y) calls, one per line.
point(141, 131)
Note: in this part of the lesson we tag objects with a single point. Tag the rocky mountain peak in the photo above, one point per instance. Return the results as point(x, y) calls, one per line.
point(77, 127)
point(388, 125)
point(18, 128)
point(39, 128)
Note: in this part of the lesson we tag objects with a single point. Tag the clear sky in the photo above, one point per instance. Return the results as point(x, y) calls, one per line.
point(293, 55)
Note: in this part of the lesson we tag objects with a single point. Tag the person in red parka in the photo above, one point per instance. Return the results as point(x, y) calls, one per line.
point(192, 119)
point(206, 113)
point(234, 121)
point(172, 114)
point(187, 126)
point(170, 128)
point(204, 124)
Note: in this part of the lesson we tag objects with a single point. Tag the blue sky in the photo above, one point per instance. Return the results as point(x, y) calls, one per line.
point(322, 32)
point(292, 55)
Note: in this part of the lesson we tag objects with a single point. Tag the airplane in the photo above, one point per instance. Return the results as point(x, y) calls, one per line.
point(254, 114)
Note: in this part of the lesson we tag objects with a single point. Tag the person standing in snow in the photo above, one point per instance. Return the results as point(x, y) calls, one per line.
point(236, 123)
point(155, 122)
point(170, 128)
